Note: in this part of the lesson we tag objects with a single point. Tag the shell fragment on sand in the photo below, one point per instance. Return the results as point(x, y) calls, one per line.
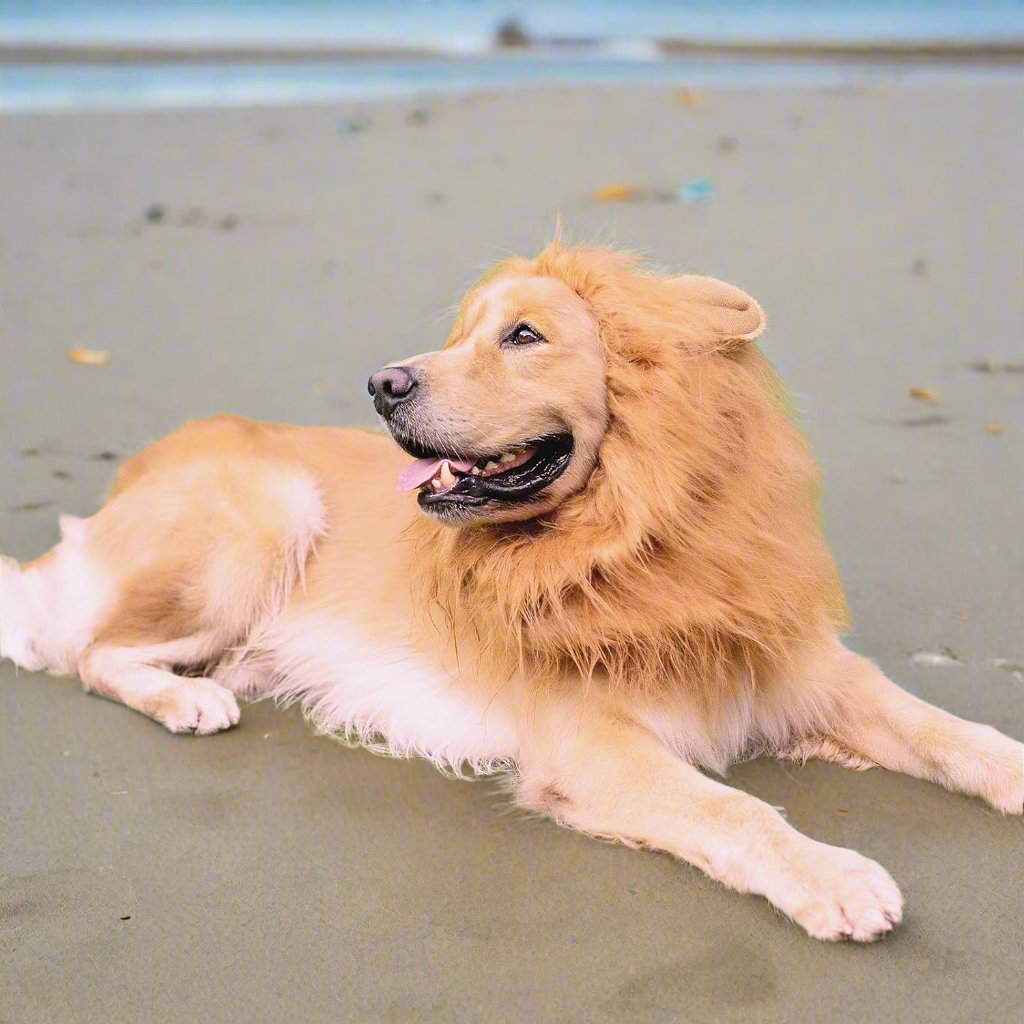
point(942, 658)
point(88, 356)
point(617, 193)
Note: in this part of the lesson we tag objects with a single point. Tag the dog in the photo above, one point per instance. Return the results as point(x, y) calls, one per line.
point(601, 572)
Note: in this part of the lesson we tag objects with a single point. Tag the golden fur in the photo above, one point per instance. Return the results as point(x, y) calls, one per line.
point(665, 604)
point(694, 556)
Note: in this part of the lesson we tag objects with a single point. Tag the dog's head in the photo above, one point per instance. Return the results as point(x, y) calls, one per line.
point(508, 420)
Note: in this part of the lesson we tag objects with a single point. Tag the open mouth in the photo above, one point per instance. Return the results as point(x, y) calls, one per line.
point(516, 474)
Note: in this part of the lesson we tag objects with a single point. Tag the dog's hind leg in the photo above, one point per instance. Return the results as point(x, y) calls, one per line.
point(201, 544)
point(877, 722)
point(62, 614)
point(143, 679)
point(609, 777)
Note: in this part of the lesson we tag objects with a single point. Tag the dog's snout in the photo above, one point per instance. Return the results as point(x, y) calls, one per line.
point(390, 387)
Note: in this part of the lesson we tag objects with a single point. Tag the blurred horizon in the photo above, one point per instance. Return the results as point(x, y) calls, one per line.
point(471, 26)
point(78, 54)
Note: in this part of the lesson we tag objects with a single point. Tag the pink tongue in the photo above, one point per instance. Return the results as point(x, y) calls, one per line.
point(423, 470)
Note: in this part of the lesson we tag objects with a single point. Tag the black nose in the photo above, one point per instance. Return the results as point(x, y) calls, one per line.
point(390, 387)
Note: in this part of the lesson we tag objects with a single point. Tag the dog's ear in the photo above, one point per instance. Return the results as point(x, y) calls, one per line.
point(730, 314)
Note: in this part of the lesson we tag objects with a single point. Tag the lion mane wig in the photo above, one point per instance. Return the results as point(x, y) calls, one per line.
point(694, 556)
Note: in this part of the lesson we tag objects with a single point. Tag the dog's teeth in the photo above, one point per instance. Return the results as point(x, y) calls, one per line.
point(447, 476)
point(508, 457)
point(475, 471)
point(436, 484)
point(490, 467)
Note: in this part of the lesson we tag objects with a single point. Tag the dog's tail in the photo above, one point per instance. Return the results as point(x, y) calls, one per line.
point(44, 603)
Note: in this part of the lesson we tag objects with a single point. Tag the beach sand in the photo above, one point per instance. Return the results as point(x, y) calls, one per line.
point(265, 262)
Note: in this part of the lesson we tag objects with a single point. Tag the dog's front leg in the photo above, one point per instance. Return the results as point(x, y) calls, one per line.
point(609, 777)
point(873, 718)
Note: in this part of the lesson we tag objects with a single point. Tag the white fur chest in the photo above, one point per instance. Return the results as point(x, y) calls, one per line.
point(380, 693)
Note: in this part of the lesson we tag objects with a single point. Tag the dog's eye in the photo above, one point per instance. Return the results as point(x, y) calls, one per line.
point(523, 334)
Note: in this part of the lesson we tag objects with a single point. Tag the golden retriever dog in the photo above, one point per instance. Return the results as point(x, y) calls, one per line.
point(602, 571)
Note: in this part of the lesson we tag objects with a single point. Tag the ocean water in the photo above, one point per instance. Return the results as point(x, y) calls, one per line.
point(459, 35)
point(468, 25)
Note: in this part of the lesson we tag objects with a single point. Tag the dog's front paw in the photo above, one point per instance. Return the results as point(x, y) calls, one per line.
point(199, 706)
point(841, 895)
